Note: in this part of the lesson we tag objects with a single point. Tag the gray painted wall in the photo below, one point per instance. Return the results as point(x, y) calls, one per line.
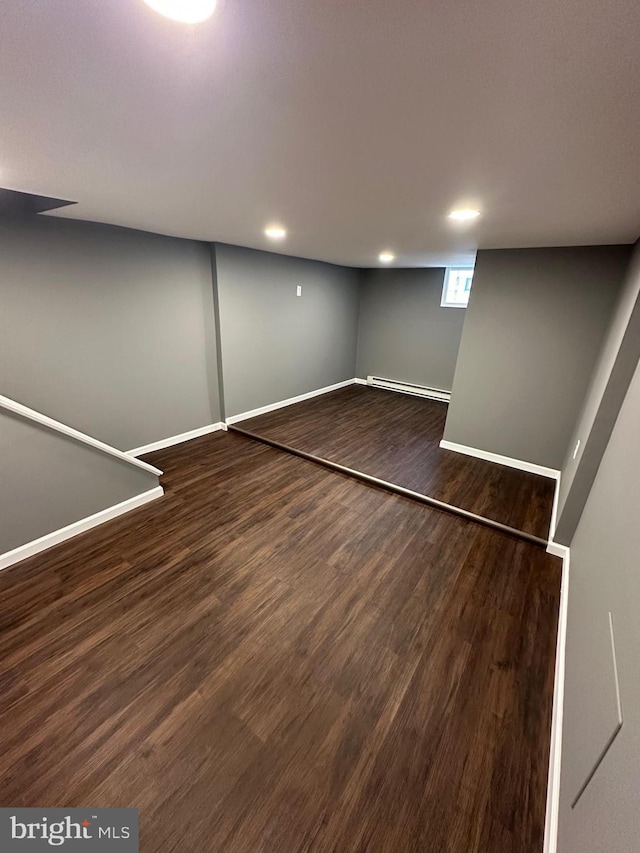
point(403, 333)
point(106, 329)
point(604, 577)
point(48, 481)
point(532, 333)
point(615, 368)
point(276, 345)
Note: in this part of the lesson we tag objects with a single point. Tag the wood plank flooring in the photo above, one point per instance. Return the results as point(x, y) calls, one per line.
point(278, 659)
point(396, 437)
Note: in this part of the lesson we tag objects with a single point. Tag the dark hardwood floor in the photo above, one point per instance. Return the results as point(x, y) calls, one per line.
point(396, 437)
point(281, 659)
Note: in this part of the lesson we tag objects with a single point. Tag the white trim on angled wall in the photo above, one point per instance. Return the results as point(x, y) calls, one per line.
point(556, 549)
point(555, 755)
point(57, 426)
point(531, 467)
point(360, 382)
point(234, 419)
point(175, 439)
point(71, 530)
point(554, 513)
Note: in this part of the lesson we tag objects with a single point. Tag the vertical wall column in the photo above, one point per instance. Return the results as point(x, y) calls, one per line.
point(534, 326)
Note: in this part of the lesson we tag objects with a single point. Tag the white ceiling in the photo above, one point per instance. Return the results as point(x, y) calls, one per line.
point(356, 123)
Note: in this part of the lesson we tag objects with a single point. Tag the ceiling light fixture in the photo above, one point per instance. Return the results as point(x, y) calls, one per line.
point(275, 232)
point(465, 214)
point(186, 11)
point(386, 257)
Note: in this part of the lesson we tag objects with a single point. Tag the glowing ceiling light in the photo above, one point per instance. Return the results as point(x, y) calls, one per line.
point(386, 257)
point(275, 232)
point(186, 11)
point(465, 214)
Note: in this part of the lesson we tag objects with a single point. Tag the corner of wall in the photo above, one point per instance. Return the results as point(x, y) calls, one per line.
point(361, 276)
point(217, 328)
point(612, 376)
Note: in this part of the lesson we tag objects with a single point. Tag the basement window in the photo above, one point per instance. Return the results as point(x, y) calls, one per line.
point(456, 287)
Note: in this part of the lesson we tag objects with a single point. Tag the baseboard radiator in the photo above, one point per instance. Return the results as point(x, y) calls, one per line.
point(409, 388)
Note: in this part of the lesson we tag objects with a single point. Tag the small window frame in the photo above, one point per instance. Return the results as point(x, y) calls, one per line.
point(444, 302)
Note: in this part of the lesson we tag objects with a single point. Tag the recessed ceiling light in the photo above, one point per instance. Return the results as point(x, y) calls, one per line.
point(386, 257)
point(464, 214)
point(275, 232)
point(187, 11)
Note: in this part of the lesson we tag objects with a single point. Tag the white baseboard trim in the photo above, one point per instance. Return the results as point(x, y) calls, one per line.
point(234, 419)
point(175, 439)
point(556, 549)
point(555, 755)
point(71, 530)
point(554, 512)
point(360, 382)
point(531, 467)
